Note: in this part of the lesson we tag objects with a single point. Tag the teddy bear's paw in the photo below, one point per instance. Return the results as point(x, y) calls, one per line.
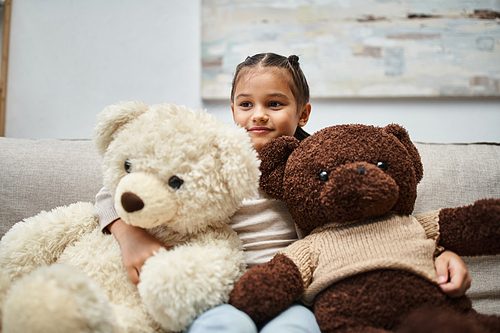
point(54, 299)
point(471, 230)
point(179, 284)
point(266, 290)
point(489, 210)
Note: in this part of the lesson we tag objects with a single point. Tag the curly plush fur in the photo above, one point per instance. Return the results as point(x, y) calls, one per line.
point(366, 265)
point(177, 172)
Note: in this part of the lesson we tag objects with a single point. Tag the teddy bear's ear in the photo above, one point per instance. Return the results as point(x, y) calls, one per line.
point(273, 158)
point(402, 135)
point(112, 119)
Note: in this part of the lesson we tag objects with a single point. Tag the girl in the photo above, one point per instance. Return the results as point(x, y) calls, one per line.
point(269, 98)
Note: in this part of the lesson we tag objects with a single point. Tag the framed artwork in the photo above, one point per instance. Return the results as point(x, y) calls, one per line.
point(359, 48)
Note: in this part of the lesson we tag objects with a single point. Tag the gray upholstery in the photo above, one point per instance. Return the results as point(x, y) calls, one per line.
point(38, 175)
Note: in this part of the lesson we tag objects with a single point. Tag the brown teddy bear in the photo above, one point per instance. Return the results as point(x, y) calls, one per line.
point(365, 263)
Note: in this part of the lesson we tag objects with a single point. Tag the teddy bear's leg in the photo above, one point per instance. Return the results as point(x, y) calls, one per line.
point(179, 284)
point(376, 300)
point(40, 240)
point(437, 320)
point(471, 230)
point(360, 329)
point(489, 323)
point(56, 298)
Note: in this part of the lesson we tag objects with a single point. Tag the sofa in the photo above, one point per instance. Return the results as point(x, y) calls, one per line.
point(41, 174)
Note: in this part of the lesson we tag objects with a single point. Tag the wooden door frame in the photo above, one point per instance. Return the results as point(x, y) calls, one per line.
point(4, 65)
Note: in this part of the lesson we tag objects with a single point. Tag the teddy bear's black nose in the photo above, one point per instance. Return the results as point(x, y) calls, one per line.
point(361, 170)
point(131, 202)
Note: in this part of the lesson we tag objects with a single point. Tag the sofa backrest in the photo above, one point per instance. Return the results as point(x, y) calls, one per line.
point(457, 174)
point(43, 174)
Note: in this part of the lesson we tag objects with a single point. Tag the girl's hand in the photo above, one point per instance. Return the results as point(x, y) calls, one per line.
point(136, 246)
point(453, 276)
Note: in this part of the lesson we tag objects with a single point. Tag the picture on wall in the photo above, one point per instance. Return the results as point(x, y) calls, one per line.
point(359, 48)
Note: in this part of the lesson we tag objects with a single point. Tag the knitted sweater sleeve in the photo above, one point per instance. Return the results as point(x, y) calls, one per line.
point(104, 208)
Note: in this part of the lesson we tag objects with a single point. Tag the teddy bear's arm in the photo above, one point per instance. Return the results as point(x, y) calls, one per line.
point(471, 230)
point(178, 284)
point(40, 240)
point(266, 290)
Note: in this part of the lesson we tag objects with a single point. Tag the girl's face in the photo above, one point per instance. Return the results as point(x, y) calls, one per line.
point(265, 106)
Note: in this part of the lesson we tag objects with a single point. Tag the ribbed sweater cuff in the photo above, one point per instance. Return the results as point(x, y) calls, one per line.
point(106, 217)
point(430, 222)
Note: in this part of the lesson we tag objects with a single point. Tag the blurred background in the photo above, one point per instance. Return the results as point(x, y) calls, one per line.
point(433, 68)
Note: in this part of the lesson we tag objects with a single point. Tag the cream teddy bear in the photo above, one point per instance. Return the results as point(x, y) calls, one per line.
point(177, 172)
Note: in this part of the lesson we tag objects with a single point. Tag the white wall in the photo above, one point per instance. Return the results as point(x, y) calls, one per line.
point(70, 58)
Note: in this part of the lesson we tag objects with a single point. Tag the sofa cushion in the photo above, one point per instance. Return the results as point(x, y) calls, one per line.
point(44, 174)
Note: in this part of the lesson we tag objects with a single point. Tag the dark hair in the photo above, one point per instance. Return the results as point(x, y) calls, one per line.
point(299, 88)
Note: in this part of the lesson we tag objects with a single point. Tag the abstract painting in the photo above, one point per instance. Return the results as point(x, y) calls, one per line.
point(359, 48)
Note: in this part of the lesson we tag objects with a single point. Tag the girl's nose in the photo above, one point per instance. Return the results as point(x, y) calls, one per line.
point(260, 115)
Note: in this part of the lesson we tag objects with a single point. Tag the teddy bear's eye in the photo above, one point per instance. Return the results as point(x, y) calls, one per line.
point(382, 166)
point(323, 176)
point(175, 182)
point(128, 166)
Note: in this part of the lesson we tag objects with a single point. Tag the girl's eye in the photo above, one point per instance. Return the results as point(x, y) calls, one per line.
point(175, 182)
point(127, 166)
point(246, 104)
point(274, 104)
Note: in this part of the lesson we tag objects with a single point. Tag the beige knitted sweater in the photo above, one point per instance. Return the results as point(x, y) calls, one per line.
point(336, 251)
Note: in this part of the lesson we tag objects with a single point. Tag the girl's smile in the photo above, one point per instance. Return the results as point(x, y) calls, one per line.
point(259, 129)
